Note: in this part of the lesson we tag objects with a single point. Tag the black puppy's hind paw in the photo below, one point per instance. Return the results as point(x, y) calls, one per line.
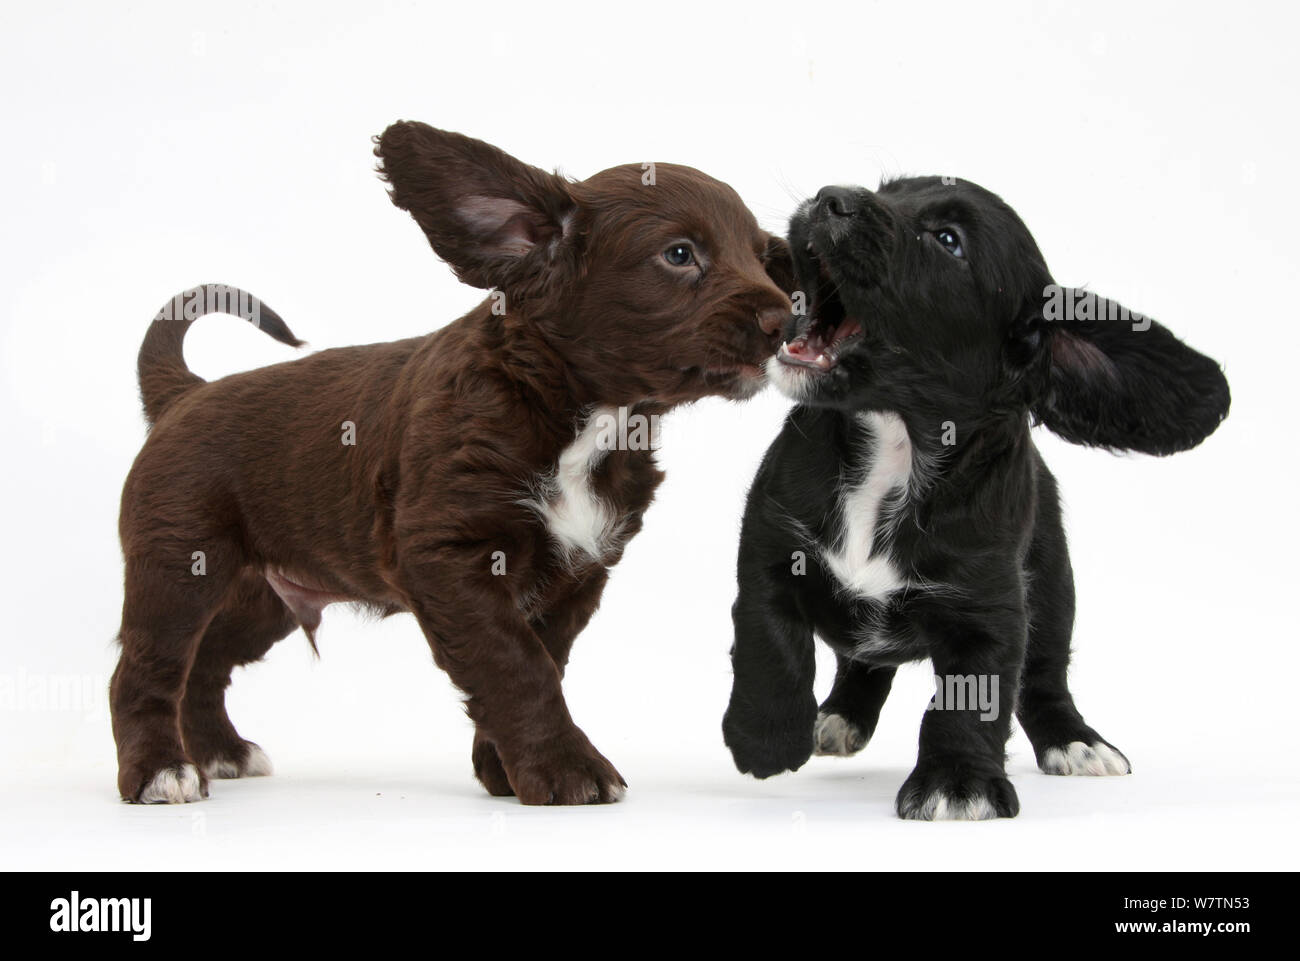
point(944, 795)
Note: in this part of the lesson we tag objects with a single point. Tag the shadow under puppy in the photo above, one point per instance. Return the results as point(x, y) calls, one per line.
point(494, 472)
point(904, 512)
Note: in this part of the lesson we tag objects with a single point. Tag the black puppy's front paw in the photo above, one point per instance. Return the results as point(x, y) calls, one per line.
point(948, 791)
point(764, 742)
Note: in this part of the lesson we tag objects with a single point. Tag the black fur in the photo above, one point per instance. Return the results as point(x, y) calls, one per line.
point(929, 300)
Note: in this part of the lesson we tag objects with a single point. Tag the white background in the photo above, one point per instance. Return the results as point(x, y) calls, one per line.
point(1151, 148)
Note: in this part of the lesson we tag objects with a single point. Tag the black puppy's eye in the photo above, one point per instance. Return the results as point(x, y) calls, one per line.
point(680, 255)
point(950, 241)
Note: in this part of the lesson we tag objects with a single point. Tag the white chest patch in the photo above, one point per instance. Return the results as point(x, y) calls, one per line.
point(577, 518)
point(857, 561)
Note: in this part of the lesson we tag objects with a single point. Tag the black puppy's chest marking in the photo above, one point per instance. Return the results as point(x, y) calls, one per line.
point(842, 491)
point(858, 557)
point(857, 549)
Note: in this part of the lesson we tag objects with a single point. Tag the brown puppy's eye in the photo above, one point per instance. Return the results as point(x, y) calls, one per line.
point(950, 242)
point(680, 255)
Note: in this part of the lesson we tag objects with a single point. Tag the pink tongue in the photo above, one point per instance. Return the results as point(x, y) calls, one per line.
point(803, 351)
point(799, 347)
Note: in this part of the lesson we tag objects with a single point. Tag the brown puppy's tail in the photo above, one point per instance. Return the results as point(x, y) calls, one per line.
point(161, 365)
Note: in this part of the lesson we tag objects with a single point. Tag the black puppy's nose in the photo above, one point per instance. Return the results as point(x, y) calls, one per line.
point(837, 201)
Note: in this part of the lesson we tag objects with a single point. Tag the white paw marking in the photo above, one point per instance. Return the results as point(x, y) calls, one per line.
point(617, 792)
point(939, 806)
point(837, 736)
point(170, 786)
point(1079, 758)
point(257, 764)
point(944, 808)
point(221, 768)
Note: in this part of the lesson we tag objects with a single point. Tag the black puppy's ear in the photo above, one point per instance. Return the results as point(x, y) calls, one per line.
point(498, 222)
point(1119, 380)
point(779, 263)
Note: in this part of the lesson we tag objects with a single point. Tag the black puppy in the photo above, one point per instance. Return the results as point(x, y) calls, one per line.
point(904, 512)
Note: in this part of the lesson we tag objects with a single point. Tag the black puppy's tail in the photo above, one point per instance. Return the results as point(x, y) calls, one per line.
point(161, 366)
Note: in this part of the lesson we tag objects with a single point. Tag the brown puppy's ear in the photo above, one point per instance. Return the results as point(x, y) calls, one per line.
point(498, 222)
point(1119, 380)
point(779, 264)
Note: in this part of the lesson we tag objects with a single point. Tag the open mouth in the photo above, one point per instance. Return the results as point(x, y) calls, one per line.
point(829, 331)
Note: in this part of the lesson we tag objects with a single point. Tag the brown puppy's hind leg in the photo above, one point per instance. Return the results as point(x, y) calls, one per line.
point(251, 621)
point(170, 600)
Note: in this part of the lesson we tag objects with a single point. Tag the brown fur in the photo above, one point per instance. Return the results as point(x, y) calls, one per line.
point(452, 431)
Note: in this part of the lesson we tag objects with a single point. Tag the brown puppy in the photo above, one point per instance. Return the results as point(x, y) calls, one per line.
point(484, 477)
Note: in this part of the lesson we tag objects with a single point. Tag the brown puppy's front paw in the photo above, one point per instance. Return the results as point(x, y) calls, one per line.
point(178, 783)
point(245, 760)
point(566, 770)
point(489, 769)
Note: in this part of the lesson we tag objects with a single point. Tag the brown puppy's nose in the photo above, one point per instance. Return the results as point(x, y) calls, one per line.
point(837, 201)
point(772, 319)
